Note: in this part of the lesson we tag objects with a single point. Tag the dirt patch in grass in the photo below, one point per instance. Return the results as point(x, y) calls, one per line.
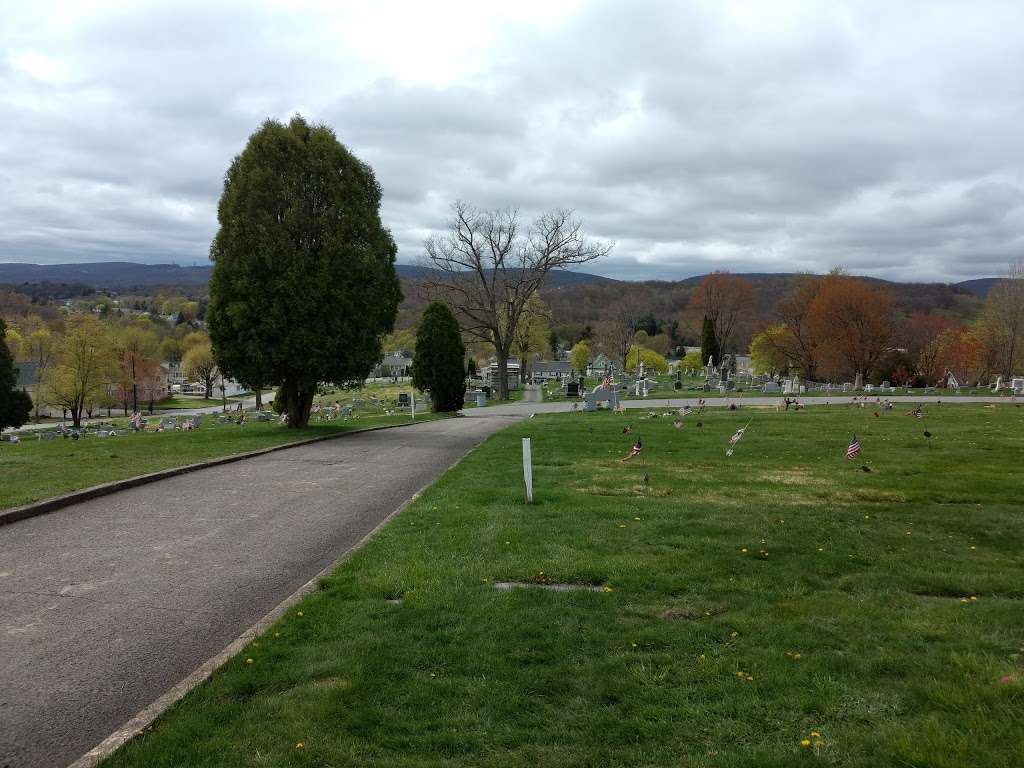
point(553, 586)
point(794, 476)
point(629, 490)
point(690, 612)
point(870, 495)
point(332, 683)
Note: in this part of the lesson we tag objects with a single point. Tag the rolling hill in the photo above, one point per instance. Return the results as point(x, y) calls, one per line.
point(124, 275)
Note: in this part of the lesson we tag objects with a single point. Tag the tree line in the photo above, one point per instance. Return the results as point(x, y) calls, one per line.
point(841, 327)
point(82, 363)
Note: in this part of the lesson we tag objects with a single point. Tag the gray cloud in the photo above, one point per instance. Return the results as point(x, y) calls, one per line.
point(754, 137)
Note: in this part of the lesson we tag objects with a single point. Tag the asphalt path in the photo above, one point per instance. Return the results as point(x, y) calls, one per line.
point(526, 409)
point(107, 604)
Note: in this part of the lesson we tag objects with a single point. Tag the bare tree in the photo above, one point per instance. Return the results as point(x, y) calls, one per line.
point(616, 331)
point(728, 301)
point(486, 266)
point(799, 344)
point(1002, 320)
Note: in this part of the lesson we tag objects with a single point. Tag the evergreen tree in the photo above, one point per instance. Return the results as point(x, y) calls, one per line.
point(709, 343)
point(304, 284)
point(440, 352)
point(15, 404)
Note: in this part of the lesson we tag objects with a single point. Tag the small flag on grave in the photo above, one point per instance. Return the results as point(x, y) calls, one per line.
point(736, 437)
point(853, 449)
point(634, 451)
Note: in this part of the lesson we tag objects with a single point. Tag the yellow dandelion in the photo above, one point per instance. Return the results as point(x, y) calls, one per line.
point(299, 745)
point(607, 589)
point(299, 614)
point(248, 661)
point(815, 735)
point(733, 633)
point(744, 550)
point(622, 525)
point(636, 518)
point(805, 743)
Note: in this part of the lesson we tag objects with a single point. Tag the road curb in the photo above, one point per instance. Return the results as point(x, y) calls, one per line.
point(46, 506)
point(146, 717)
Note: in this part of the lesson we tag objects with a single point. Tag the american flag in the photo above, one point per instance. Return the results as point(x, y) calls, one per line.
point(607, 383)
point(854, 448)
point(634, 451)
point(736, 437)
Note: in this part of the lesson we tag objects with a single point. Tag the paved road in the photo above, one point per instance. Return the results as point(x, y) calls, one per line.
point(520, 408)
point(107, 604)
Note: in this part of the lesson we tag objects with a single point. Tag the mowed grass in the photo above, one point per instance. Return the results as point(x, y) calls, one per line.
point(39, 469)
point(183, 402)
point(750, 602)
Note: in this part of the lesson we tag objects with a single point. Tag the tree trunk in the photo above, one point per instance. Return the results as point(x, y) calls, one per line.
point(502, 375)
point(135, 397)
point(298, 401)
point(209, 388)
point(259, 399)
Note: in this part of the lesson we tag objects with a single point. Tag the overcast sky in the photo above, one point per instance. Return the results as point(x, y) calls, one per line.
point(770, 136)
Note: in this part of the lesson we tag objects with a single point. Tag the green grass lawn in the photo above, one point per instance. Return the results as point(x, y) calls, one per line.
point(385, 393)
point(176, 402)
point(39, 469)
point(744, 604)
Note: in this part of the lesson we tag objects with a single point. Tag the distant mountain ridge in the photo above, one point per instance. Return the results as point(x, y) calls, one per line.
point(121, 275)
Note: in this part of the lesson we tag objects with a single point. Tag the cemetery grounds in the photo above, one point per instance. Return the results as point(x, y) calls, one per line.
point(779, 607)
point(662, 386)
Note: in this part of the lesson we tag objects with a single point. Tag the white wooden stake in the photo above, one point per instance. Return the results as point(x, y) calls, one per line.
point(527, 470)
point(412, 405)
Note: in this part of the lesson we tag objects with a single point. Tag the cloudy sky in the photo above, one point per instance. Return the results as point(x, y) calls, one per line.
point(763, 136)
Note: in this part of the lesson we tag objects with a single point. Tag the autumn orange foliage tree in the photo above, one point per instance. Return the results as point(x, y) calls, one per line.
point(961, 351)
point(853, 324)
point(919, 329)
